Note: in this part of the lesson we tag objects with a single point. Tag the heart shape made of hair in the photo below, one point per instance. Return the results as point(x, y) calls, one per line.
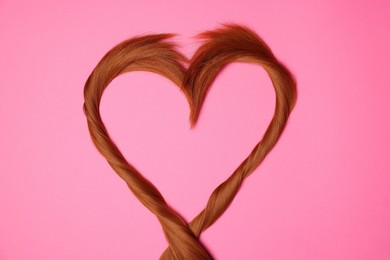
point(155, 53)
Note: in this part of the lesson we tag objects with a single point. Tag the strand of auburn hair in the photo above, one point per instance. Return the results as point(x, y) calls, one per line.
point(157, 54)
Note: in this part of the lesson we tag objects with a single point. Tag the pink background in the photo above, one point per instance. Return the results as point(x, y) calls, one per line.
point(322, 193)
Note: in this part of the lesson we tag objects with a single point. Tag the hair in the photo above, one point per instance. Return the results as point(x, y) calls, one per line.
point(157, 53)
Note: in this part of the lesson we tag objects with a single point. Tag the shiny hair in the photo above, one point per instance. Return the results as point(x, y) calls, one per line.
point(157, 53)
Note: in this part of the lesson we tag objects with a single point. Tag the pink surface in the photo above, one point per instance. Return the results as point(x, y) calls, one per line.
point(322, 193)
